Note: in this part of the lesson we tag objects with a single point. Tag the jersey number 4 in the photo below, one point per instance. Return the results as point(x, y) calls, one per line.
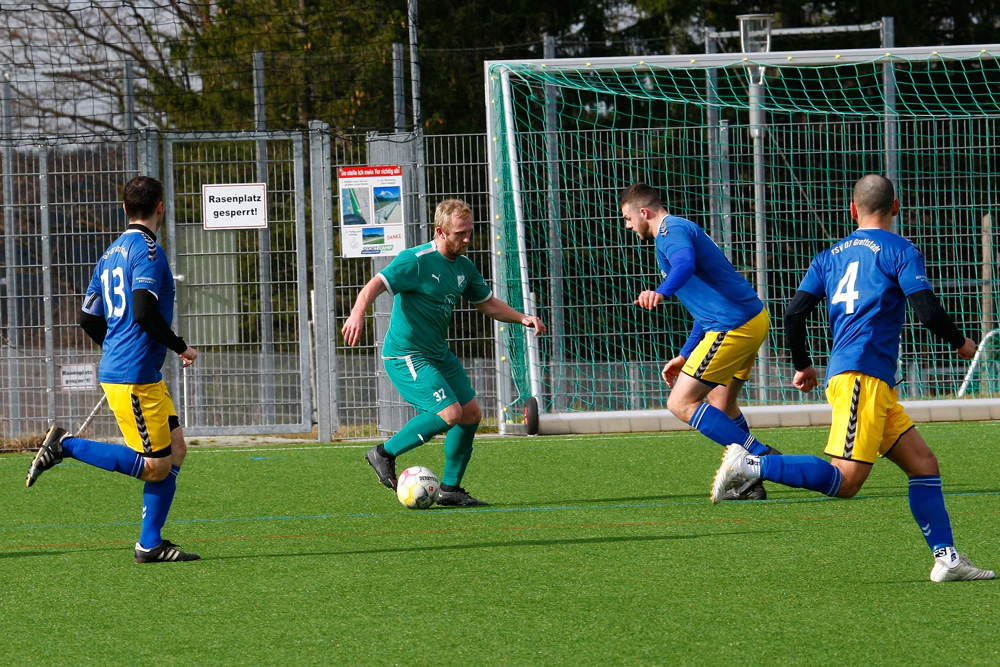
point(116, 307)
point(846, 293)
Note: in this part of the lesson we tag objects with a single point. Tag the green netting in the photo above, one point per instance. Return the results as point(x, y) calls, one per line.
point(566, 141)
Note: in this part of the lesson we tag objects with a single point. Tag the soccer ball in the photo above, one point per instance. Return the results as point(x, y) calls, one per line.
point(417, 488)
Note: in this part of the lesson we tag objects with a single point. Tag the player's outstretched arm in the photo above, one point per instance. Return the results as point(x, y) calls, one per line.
point(805, 380)
point(188, 356)
point(968, 349)
point(796, 315)
point(95, 326)
point(672, 369)
point(355, 323)
point(932, 315)
point(149, 318)
point(648, 299)
point(498, 310)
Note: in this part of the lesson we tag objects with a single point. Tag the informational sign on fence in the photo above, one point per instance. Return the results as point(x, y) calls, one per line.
point(77, 377)
point(234, 205)
point(371, 210)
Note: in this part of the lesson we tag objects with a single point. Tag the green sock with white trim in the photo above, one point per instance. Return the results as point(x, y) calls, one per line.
point(417, 431)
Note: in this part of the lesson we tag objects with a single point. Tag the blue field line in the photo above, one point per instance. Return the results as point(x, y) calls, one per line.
point(484, 510)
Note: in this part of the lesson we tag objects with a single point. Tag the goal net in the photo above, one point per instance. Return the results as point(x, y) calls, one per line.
point(762, 153)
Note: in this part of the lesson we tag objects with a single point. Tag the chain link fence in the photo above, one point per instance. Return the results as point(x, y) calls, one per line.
point(264, 307)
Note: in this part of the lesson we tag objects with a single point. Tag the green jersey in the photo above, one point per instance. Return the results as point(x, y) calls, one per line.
point(425, 286)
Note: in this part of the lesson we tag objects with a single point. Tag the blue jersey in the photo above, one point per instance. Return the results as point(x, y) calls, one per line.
point(717, 296)
point(866, 279)
point(134, 261)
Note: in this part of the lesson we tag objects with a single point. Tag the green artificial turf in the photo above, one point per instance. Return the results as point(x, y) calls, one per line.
point(596, 550)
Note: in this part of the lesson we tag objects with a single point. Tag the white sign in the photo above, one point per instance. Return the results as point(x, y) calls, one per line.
point(77, 377)
point(234, 206)
point(371, 211)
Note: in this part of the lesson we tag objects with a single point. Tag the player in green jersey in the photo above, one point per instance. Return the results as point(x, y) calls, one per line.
point(426, 283)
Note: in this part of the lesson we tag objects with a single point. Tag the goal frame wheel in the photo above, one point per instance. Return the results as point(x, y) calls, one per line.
point(531, 415)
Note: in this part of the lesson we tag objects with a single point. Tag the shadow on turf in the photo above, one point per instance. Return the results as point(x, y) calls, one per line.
point(615, 500)
point(26, 553)
point(488, 545)
point(30, 554)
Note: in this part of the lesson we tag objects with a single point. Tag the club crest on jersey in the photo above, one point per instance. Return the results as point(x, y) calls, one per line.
point(461, 279)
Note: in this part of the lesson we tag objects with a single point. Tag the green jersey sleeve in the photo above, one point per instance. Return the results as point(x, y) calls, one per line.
point(476, 290)
point(402, 274)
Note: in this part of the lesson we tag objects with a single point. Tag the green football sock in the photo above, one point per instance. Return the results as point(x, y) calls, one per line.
point(457, 452)
point(417, 431)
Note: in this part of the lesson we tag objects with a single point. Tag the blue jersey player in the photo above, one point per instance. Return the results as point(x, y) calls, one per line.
point(866, 279)
point(127, 310)
point(730, 324)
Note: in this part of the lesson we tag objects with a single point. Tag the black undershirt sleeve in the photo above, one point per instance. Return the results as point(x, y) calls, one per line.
point(932, 315)
point(94, 326)
point(148, 316)
point(798, 311)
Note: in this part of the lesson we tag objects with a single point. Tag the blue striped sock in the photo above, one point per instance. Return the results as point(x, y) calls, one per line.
point(802, 472)
point(927, 506)
point(104, 455)
point(715, 425)
point(156, 500)
point(741, 421)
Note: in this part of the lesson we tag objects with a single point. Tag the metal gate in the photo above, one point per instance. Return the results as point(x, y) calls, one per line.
point(242, 294)
point(354, 397)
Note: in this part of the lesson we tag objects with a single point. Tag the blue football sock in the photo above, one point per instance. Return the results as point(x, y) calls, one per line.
point(116, 458)
point(741, 421)
point(156, 500)
point(417, 431)
point(713, 423)
point(927, 506)
point(457, 452)
point(802, 472)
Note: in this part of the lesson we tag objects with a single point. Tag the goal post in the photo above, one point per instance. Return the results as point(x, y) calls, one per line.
point(768, 174)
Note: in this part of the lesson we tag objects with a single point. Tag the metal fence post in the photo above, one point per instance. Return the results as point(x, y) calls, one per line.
point(404, 150)
point(47, 292)
point(398, 89)
point(891, 123)
point(557, 283)
point(264, 240)
point(302, 277)
point(170, 238)
point(131, 158)
point(325, 341)
point(11, 325)
point(149, 152)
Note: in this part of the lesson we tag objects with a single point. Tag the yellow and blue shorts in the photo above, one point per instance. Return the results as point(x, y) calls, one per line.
point(145, 415)
point(722, 356)
point(867, 417)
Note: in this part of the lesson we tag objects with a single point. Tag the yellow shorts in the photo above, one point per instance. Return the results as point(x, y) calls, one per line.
point(143, 412)
point(867, 417)
point(724, 355)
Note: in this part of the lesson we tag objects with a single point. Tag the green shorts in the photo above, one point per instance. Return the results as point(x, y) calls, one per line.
point(430, 385)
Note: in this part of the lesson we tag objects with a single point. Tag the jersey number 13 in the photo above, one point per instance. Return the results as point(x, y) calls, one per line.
point(116, 307)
